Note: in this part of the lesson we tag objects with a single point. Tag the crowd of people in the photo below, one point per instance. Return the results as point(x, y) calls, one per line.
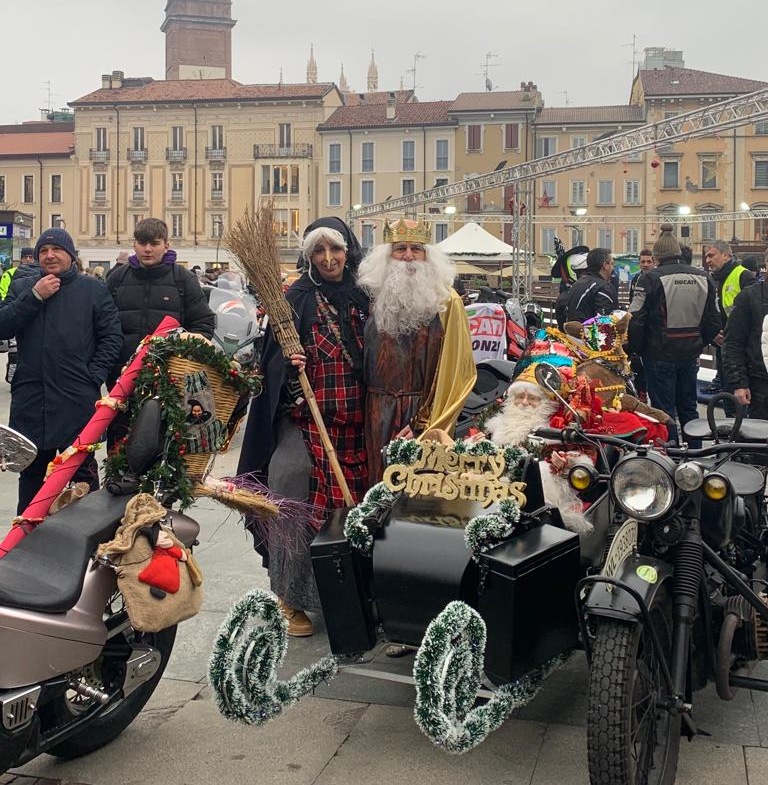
point(385, 348)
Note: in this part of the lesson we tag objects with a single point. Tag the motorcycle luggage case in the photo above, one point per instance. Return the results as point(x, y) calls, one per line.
point(526, 597)
point(343, 582)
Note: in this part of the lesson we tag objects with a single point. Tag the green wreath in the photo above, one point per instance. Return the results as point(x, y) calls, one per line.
point(249, 648)
point(154, 381)
point(447, 673)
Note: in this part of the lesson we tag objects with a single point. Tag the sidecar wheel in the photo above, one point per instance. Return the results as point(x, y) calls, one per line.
point(630, 740)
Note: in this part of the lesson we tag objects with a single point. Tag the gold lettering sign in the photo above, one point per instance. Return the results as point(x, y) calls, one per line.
point(444, 474)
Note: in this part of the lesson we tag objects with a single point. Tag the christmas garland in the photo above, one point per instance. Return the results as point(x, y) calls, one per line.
point(154, 381)
point(482, 531)
point(245, 659)
point(447, 673)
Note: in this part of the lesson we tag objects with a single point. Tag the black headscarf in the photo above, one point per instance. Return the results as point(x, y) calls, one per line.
point(354, 251)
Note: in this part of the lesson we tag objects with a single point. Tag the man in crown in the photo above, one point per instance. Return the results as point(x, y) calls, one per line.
point(418, 352)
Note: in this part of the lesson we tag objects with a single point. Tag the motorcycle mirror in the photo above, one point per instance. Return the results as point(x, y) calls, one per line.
point(143, 442)
point(16, 451)
point(547, 376)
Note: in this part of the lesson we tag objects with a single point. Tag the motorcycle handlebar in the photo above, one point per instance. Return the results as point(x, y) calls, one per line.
point(576, 436)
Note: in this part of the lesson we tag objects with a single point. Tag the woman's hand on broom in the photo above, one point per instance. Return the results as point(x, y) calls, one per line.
point(298, 363)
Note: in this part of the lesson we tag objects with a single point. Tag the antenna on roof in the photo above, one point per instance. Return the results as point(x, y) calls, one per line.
point(50, 95)
point(564, 93)
point(418, 56)
point(484, 70)
point(635, 55)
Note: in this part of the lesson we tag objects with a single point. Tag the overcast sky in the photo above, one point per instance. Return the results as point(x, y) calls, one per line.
point(579, 53)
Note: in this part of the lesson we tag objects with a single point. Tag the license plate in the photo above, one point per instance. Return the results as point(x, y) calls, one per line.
point(623, 545)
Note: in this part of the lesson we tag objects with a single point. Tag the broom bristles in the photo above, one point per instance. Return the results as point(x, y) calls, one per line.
point(253, 242)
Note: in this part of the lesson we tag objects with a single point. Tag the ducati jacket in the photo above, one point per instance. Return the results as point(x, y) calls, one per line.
point(674, 313)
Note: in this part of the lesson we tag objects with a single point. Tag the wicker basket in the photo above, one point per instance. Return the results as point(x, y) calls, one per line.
point(225, 398)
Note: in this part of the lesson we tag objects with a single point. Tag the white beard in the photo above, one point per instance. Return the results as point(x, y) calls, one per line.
point(406, 295)
point(514, 423)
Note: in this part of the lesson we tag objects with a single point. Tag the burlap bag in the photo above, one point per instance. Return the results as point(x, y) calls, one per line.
point(130, 552)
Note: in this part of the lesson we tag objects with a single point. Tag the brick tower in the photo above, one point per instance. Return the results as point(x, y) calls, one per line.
point(198, 39)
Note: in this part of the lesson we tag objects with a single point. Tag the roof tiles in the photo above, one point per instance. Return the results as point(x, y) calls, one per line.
point(687, 81)
point(375, 116)
point(590, 115)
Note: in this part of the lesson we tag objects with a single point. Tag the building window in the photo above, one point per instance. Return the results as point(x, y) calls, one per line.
point(2, 189)
point(511, 136)
point(367, 236)
point(265, 179)
point(548, 193)
point(217, 137)
point(409, 187)
point(366, 192)
point(55, 187)
point(546, 145)
point(441, 232)
point(474, 202)
point(671, 178)
point(286, 223)
point(100, 184)
point(631, 192)
point(177, 185)
point(100, 225)
point(605, 238)
point(138, 185)
point(177, 137)
point(334, 193)
point(29, 188)
point(366, 163)
point(578, 192)
point(632, 241)
point(409, 153)
point(217, 185)
point(217, 226)
point(177, 225)
point(284, 135)
point(605, 192)
point(441, 155)
point(708, 230)
point(547, 240)
point(761, 174)
point(709, 173)
point(474, 138)
point(138, 138)
point(101, 139)
point(577, 236)
point(761, 128)
point(56, 220)
point(137, 219)
point(334, 158)
point(578, 141)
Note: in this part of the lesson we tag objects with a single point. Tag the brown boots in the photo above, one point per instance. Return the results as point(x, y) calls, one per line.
point(299, 624)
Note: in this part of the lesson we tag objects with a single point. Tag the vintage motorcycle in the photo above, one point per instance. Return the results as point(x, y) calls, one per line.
point(74, 673)
point(680, 600)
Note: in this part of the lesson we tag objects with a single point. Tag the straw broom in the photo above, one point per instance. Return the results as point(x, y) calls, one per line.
point(252, 241)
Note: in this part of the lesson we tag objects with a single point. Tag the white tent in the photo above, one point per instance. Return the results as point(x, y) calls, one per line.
point(472, 243)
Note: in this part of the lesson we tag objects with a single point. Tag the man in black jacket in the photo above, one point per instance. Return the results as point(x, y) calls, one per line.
point(68, 333)
point(674, 316)
point(594, 293)
point(743, 359)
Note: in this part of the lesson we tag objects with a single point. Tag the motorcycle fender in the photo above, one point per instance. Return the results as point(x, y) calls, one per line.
point(643, 574)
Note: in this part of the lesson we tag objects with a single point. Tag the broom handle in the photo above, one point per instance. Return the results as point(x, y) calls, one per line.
point(330, 451)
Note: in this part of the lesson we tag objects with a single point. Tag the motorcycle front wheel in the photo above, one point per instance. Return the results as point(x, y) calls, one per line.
point(117, 716)
point(631, 740)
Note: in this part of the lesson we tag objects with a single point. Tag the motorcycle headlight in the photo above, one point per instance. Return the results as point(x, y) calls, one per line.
point(643, 486)
point(689, 476)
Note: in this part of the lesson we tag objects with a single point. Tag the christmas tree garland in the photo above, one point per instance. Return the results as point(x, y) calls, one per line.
point(447, 675)
point(245, 659)
point(154, 381)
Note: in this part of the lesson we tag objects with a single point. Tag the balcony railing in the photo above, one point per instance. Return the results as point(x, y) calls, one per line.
point(275, 151)
point(174, 155)
point(216, 153)
point(217, 195)
point(177, 196)
point(136, 156)
point(99, 156)
point(138, 196)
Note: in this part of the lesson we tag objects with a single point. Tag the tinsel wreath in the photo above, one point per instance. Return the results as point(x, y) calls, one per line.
point(447, 673)
point(249, 648)
point(154, 381)
point(482, 531)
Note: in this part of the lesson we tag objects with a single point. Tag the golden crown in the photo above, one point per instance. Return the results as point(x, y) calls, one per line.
point(405, 231)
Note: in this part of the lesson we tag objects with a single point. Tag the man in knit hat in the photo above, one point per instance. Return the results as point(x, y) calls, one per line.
point(68, 333)
point(674, 316)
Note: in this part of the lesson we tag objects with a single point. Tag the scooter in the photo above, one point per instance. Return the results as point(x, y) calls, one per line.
point(74, 673)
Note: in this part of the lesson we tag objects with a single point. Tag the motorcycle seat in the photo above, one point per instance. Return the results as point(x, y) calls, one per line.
point(750, 430)
point(45, 571)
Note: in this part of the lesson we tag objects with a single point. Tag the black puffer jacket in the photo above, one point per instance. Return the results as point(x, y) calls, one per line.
point(742, 351)
point(67, 344)
point(144, 295)
point(590, 296)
